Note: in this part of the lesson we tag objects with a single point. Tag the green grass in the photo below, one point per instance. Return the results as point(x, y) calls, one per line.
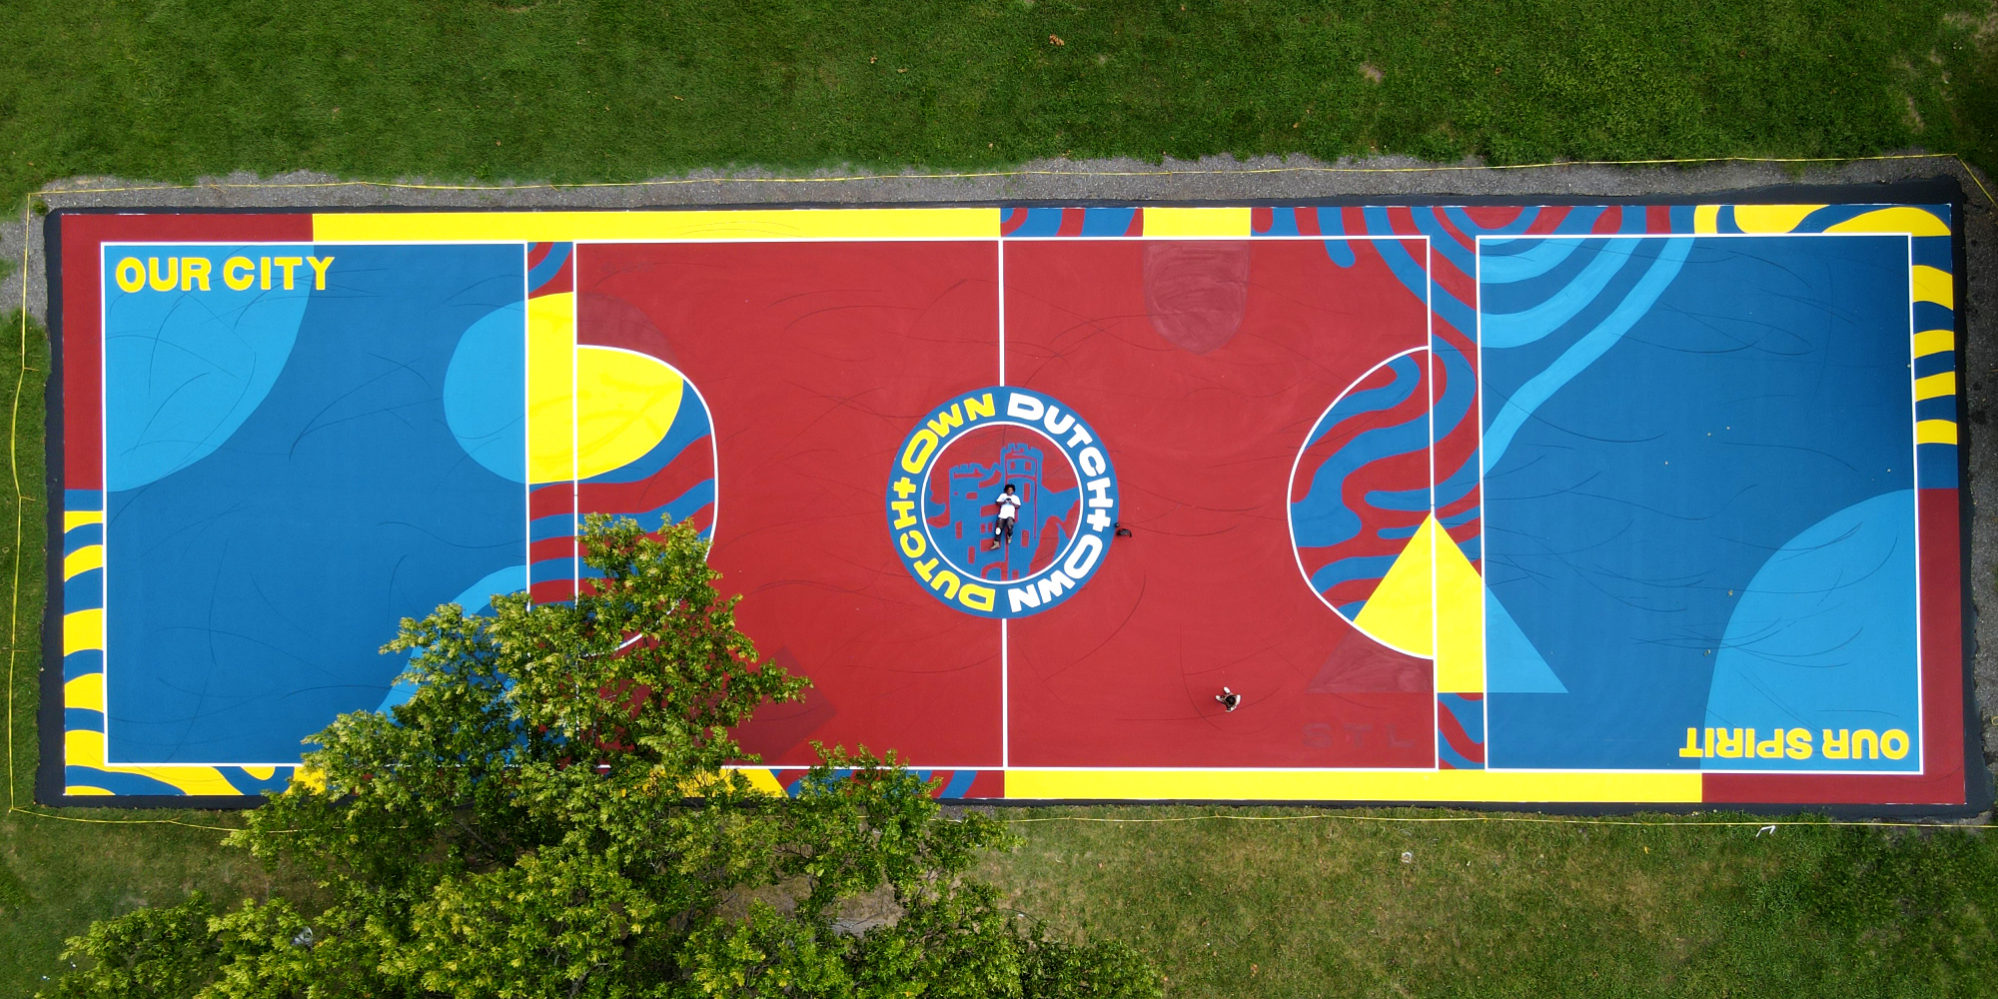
point(1324, 907)
point(58, 874)
point(567, 91)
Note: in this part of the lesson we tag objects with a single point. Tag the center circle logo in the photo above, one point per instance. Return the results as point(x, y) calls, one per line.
point(949, 486)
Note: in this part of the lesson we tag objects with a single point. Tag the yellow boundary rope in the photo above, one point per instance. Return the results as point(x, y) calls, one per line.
point(20, 379)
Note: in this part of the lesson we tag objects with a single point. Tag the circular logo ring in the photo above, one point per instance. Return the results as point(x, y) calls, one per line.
point(1079, 554)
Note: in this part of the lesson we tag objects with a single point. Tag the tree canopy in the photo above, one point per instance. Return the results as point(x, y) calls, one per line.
point(552, 813)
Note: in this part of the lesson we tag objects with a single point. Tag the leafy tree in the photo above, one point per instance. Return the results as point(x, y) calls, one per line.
point(550, 815)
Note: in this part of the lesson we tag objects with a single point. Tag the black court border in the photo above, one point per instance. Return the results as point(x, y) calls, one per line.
point(1941, 189)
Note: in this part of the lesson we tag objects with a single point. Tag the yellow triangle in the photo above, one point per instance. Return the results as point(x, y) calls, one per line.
point(1398, 612)
point(1460, 633)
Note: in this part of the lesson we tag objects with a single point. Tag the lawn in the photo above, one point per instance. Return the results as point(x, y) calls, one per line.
point(573, 92)
point(538, 90)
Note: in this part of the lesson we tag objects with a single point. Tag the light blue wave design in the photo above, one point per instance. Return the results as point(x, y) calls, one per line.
point(1514, 410)
point(1825, 635)
point(1517, 329)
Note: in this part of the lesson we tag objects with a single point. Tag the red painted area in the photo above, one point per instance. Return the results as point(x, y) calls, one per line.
point(1942, 779)
point(83, 238)
point(816, 360)
point(1206, 592)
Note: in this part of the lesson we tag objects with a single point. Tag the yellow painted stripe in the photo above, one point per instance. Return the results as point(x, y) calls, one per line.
point(82, 748)
point(1935, 431)
point(1934, 342)
point(73, 519)
point(82, 560)
point(82, 631)
point(1197, 222)
point(1422, 785)
point(1899, 219)
point(803, 223)
point(1706, 218)
point(261, 773)
point(1936, 386)
point(80, 790)
point(1934, 285)
point(86, 691)
point(763, 781)
point(1771, 218)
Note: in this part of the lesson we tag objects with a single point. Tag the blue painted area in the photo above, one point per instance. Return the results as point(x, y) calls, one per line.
point(1824, 637)
point(960, 784)
point(83, 591)
point(1762, 390)
point(82, 499)
point(1512, 664)
point(192, 365)
point(490, 426)
point(1937, 466)
point(1108, 221)
point(82, 663)
point(82, 536)
point(1933, 251)
point(249, 592)
point(1040, 222)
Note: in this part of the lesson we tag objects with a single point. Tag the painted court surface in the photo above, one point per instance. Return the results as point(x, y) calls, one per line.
point(1508, 503)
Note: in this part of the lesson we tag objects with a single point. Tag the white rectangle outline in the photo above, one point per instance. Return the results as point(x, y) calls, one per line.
point(104, 450)
point(1914, 478)
point(1001, 240)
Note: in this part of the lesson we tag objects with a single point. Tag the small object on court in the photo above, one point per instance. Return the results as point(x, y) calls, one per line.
point(1229, 699)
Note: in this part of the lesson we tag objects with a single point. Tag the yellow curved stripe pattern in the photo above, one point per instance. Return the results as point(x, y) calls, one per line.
point(86, 691)
point(82, 560)
point(84, 748)
point(1935, 431)
point(1772, 218)
point(625, 404)
point(1706, 218)
point(1898, 220)
point(551, 380)
point(1934, 342)
point(1936, 386)
point(1933, 284)
point(73, 519)
point(83, 631)
point(1375, 785)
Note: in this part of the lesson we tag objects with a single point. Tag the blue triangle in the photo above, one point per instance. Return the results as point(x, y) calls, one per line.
point(1512, 664)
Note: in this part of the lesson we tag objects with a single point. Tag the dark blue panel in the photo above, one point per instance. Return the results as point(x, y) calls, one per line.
point(1740, 398)
point(250, 590)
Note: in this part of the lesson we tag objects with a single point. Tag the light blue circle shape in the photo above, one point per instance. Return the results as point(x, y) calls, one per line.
point(1078, 560)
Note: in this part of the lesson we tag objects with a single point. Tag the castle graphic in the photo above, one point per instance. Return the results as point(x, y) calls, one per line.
point(969, 514)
